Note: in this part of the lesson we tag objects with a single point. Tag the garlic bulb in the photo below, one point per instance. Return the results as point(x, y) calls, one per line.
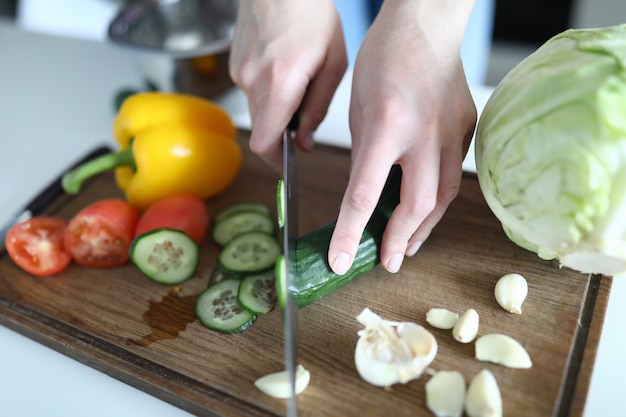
point(392, 352)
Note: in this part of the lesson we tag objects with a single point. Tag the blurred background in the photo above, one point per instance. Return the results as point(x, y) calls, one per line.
point(516, 29)
point(501, 33)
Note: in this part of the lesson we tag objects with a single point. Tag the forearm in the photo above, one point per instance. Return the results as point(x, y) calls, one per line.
point(437, 21)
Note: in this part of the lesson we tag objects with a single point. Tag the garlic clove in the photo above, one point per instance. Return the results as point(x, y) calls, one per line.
point(483, 397)
point(441, 318)
point(502, 350)
point(466, 327)
point(392, 352)
point(445, 394)
point(510, 292)
point(277, 384)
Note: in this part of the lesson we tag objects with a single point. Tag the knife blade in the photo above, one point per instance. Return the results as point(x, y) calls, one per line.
point(290, 237)
point(44, 198)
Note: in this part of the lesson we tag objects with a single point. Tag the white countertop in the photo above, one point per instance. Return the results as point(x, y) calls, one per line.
point(55, 105)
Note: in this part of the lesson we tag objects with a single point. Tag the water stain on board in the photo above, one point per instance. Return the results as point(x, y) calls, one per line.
point(167, 317)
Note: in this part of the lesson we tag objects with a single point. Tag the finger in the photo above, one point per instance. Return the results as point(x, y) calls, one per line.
point(450, 172)
point(367, 179)
point(418, 198)
point(273, 110)
point(319, 94)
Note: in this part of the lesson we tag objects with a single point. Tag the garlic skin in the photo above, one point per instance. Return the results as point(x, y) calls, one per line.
point(277, 384)
point(510, 292)
point(502, 350)
point(445, 394)
point(466, 328)
point(483, 397)
point(441, 318)
point(392, 352)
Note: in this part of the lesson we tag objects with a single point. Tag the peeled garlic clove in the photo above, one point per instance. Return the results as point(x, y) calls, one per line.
point(511, 291)
point(466, 327)
point(277, 384)
point(445, 394)
point(441, 318)
point(392, 352)
point(502, 350)
point(483, 397)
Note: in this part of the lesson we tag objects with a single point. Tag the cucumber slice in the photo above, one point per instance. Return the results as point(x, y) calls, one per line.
point(280, 203)
point(166, 256)
point(256, 293)
point(239, 207)
point(217, 308)
point(249, 253)
point(241, 222)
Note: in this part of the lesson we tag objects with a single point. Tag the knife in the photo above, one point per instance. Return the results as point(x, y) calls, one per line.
point(290, 237)
point(46, 196)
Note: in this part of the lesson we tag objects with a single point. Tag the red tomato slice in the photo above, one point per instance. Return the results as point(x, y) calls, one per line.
point(100, 234)
point(36, 245)
point(183, 212)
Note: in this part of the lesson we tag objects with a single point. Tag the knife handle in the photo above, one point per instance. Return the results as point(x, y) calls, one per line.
point(294, 122)
point(55, 189)
point(46, 196)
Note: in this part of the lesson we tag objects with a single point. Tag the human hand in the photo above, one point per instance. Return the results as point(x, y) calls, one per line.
point(287, 56)
point(410, 106)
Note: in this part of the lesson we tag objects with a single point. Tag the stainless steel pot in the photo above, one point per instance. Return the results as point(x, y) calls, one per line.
point(180, 45)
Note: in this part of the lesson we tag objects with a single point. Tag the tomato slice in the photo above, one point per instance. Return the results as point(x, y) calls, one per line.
point(182, 212)
point(100, 234)
point(36, 245)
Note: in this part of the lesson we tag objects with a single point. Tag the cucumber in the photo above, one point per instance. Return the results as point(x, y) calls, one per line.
point(314, 277)
point(239, 207)
point(256, 292)
point(166, 256)
point(249, 253)
point(217, 308)
point(241, 222)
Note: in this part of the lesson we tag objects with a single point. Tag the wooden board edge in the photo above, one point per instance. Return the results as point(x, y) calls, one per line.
point(588, 356)
point(147, 376)
point(582, 356)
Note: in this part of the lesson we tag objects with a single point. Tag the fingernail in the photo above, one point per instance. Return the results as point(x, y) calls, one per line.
point(341, 264)
point(413, 248)
point(395, 263)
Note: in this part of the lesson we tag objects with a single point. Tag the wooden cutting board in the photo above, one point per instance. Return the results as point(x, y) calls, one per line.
point(145, 334)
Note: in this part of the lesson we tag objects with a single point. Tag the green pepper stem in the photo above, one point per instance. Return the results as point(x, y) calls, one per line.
point(73, 180)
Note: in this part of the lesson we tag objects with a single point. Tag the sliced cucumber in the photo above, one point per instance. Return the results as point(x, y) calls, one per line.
point(239, 207)
point(241, 222)
point(256, 293)
point(217, 308)
point(249, 253)
point(166, 256)
point(280, 203)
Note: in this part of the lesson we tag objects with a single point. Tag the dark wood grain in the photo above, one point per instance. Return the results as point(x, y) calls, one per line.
point(144, 334)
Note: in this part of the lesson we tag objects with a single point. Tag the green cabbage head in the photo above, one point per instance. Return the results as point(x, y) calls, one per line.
point(551, 151)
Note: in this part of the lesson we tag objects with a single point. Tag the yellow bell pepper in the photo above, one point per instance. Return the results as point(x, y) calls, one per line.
point(169, 144)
